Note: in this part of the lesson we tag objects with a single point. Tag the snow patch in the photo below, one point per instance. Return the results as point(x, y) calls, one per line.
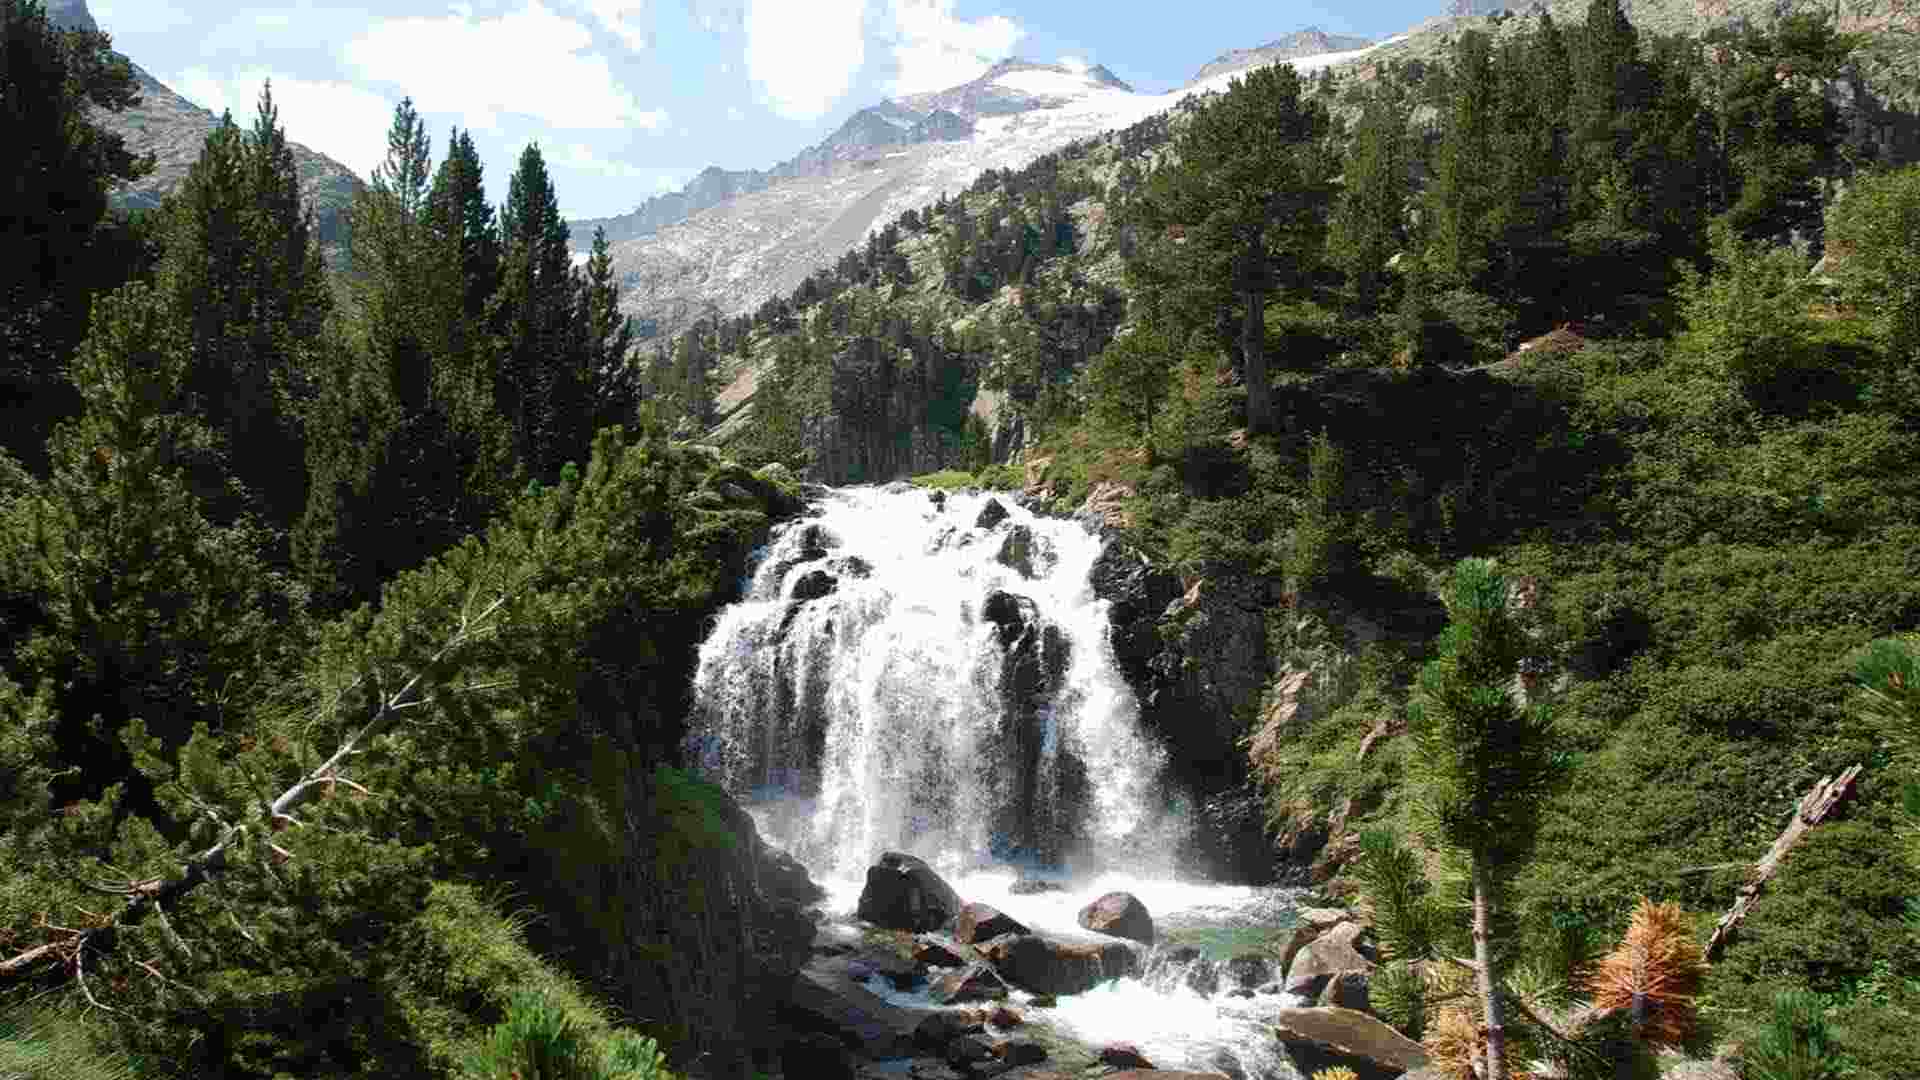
point(1045, 83)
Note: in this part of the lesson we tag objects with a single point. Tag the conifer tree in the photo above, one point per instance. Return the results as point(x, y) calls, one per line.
point(56, 169)
point(1482, 762)
point(1250, 195)
point(541, 384)
point(1367, 227)
point(609, 339)
point(1464, 197)
point(243, 274)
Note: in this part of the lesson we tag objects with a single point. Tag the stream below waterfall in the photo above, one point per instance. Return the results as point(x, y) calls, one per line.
point(931, 673)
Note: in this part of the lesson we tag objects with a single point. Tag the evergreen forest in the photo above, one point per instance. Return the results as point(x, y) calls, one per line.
point(348, 612)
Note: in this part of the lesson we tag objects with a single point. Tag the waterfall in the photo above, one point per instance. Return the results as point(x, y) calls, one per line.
point(930, 672)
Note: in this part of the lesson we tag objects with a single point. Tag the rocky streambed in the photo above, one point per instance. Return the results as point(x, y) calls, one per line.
point(1024, 977)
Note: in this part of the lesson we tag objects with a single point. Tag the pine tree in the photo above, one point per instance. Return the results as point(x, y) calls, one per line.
point(1464, 198)
point(243, 274)
point(1250, 195)
point(56, 246)
point(1482, 762)
point(541, 385)
point(614, 387)
point(458, 211)
point(1368, 227)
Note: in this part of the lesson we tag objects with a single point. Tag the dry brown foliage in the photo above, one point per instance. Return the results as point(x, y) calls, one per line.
point(1453, 1042)
point(1338, 1072)
point(1657, 967)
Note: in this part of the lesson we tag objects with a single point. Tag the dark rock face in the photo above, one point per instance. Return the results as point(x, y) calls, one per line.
point(1119, 914)
point(813, 585)
point(904, 893)
point(1138, 593)
point(936, 954)
point(826, 999)
point(783, 880)
point(1033, 666)
point(983, 922)
point(818, 1054)
point(1017, 551)
point(990, 515)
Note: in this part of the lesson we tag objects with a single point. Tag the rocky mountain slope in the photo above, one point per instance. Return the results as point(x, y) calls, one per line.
point(1312, 41)
point(736, 253)
point(174, 130)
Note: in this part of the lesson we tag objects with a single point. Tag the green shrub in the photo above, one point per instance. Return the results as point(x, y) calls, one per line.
point(634, 1057)
point(946, 480)
point(1797, 1044)
point(1002, 478)
point(538, 1040)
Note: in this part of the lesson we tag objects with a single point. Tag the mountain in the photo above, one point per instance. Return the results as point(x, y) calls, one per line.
point(174, 130)
point(1312, 41)
point(1009, 87)
point(733, 253)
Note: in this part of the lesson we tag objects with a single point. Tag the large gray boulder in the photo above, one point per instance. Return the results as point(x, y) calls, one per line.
point(1324, 960)
point(983, 922)
point(1119, 914)
point(1326, 1037)
point(1054, 964)
point(904, 893)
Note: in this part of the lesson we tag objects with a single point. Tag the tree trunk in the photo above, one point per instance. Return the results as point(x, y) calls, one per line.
point(1487, 977)
point(1253, 349)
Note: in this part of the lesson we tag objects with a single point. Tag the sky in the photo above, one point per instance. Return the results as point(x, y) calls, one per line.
point(628, 98)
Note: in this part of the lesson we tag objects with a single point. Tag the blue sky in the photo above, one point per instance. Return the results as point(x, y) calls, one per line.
point(631, 97)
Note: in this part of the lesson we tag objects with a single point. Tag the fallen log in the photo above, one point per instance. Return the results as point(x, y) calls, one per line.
point(1814, 808)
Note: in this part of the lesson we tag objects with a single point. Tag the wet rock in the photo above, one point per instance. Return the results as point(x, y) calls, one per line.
point(931, 1069)
point(993, 513)
point(1325, 1037)
point(1005, 1018)
point(1123, 1056)
point(1249, 970)
point(852, 566)
point(1030, 886)
point(818, 1054)
point(1042, 1001)
point(982, 922)
point(1016, 551)
point(940, 1028)
point(1119, 914)
point(1137, 593)
point(976, 982)
point(936, 954)
point(825, 998)
point(897, 487)
point(1051, 965)
point(813, 585)
point(1012, 615)
point(1160, 1074)
point(1020, 1052)
point(904, 893)
point(784, 880)
point(938, 498)
point(969, 1050)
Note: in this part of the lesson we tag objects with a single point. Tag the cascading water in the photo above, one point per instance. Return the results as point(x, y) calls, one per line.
point(931, 673)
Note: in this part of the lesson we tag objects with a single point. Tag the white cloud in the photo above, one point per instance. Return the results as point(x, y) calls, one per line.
point(1074, 64)
point(529, 61)
point(346, 123)
point(622, 19)
point(803, 56)
point(138, 16)
point(665, 183)
point(581, 156)
point(933, 48)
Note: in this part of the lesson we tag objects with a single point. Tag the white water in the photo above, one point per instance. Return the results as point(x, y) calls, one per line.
point(874, 718)
point(877, 720)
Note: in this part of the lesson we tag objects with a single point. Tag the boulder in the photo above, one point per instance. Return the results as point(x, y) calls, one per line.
point(983, 922)
point(1312, 923)
point(975, 982)
point(936, 954)
point(1019, 1052)
point(904, 893)
point(938, 498)
point(826, 998)
point(1030, 886)
point(1348, 990)
point(817, 1054)
point(1016, 551)
point(1249, 970)
point(1160, 1074)
point(813, 585)
point(1123, 1056)
point(1324, 958)
point(1326, 1037)
point(990, 515)
point(1119, 914)
point(969, 1050)
point(940, 1028)
point(784, 880)
point(1005, 1018)
point(1054, 965)
point(1011, 615)
point(931, 1069)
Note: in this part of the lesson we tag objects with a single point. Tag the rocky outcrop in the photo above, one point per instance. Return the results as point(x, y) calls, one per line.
point(1324, 1038)
point(1119, 914)
point(1313, 922)
point(1106, 505)
point(1017, 551)
point(827, 999)
point(992, 514)
point(904, 893)
point(1033, 666)
point(1137, 593)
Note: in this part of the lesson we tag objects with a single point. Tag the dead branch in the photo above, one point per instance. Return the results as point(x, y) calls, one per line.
point(1814, 808)
point(199, 869)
